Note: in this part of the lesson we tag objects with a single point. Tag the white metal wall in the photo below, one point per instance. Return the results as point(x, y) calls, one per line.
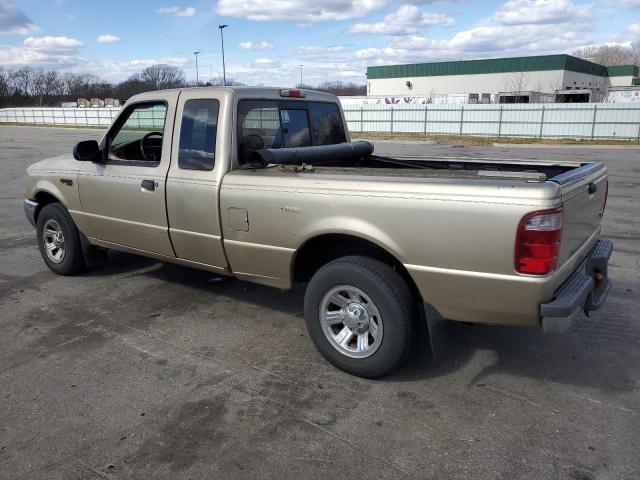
point(586, 120)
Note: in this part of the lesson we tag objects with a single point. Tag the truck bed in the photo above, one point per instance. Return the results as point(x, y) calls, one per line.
point(451, 168)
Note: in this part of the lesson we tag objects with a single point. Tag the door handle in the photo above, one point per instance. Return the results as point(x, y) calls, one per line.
point(148, 185)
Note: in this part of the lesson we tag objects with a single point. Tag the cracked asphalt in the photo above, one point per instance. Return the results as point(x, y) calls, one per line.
point(149, 370)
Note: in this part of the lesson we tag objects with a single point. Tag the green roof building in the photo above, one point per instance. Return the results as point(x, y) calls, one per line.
point(544, 73)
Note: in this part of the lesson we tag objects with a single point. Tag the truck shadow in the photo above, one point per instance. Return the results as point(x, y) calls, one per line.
point(587, 355)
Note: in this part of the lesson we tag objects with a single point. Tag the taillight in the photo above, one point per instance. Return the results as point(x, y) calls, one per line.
point(292, 93)
point(538, 242)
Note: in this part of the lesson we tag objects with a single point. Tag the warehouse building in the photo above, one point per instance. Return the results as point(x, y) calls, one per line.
point(562, 78)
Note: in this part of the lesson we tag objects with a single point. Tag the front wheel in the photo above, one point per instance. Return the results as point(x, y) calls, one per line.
point(360, 315)
point(59, 241)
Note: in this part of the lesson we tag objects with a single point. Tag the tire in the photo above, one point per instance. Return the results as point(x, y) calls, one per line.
point(373, 304)
point(67, 259)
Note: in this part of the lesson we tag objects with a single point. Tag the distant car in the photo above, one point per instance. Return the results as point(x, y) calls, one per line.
point(264, 185)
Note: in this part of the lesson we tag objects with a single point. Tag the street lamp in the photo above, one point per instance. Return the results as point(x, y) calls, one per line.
point(301, 75)
point(197, 79)
point(224, 73)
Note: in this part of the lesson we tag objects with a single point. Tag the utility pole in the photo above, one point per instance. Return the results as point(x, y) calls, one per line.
point(224, 72)
point(301, 75)
point(197, 78)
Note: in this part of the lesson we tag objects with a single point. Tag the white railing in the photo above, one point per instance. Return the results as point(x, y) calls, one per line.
point(587, 120)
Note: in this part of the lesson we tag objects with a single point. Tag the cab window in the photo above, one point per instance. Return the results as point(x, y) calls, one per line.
point(295, 128)
point(138, 136)
point(198, 134)
point(326, 123)
point(286, 124)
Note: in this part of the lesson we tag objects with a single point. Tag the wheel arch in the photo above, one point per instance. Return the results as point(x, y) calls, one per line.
point(323, 248)
point(44, 198)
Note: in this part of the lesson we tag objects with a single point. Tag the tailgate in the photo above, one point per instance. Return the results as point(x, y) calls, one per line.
point(583, 197)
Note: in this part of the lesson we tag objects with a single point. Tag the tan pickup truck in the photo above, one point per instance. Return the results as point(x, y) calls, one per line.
point(264, 185)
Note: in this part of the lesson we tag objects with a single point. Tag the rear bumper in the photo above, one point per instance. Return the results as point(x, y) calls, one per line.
point(30, 208)
point(584, 291)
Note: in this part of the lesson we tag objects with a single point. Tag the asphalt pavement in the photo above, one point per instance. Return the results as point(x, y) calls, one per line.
point(148, 370)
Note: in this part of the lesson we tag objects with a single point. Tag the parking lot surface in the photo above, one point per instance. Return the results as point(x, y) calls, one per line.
point(149, 370)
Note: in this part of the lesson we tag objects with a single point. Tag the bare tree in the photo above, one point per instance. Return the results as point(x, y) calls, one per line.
point(22, 81)
point(46, 84)
point(219, 82)
point(635, 52)
point(162, 76)
point(338, 88)
point(610, 54)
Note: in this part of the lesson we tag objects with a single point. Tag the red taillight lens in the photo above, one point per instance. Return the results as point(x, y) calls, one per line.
point(292, 93)
point(538, 242)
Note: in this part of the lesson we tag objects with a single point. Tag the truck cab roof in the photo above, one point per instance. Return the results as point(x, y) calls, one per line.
point(262, 93)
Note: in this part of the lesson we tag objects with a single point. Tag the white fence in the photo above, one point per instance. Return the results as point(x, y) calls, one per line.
point(80, 117)
point(587, 120)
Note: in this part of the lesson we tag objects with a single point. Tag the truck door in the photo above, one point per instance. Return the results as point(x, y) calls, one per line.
point(123, 198)
point(199, 146)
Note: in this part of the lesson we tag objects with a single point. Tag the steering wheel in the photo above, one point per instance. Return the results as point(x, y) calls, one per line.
point(143, 147)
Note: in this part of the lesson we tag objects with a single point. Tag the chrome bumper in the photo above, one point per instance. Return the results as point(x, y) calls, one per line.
point(584, 291)
point(30, 208)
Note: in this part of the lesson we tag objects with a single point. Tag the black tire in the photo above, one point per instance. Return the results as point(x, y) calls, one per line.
point(72, 261)
point(392, 297)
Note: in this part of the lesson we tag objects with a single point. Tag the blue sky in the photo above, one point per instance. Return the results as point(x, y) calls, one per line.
point(267, 40)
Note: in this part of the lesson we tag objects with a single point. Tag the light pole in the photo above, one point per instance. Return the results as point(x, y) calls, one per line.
point(197, 78)
point(224, 73)
point(301, 75)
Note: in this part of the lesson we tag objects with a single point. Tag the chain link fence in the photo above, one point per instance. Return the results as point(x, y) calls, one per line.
point(591, 121)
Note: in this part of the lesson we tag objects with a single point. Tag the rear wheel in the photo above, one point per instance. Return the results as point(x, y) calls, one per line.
point(360, 315)
point(59, 241)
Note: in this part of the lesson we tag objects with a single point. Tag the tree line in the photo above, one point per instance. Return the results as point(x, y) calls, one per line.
point(611, 54)
point(31, 87)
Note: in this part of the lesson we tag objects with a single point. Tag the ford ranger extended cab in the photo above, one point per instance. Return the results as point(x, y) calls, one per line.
point(265, 185)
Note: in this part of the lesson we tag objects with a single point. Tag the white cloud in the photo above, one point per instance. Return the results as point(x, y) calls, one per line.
point(480, 42)
point(255, 46)
point(541, 28)
point(53, 45)
point(314, 50)
point(633, 30)
point(177, 11)
point(300, 11)
point(13, 21)
point(264, 63)
point(52, 52)
point(106, 38)
point(623, 4)
point(525, 12)
point(408, 19)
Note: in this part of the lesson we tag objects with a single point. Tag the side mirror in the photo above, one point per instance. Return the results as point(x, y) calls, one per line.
point(87, 150)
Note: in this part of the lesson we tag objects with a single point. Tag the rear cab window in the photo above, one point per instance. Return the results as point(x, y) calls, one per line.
point(287, 124)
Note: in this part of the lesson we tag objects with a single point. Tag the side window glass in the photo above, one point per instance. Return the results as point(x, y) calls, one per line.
point(295, 128)
point(198, 134)
point(326, 123)
point(140, 137)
